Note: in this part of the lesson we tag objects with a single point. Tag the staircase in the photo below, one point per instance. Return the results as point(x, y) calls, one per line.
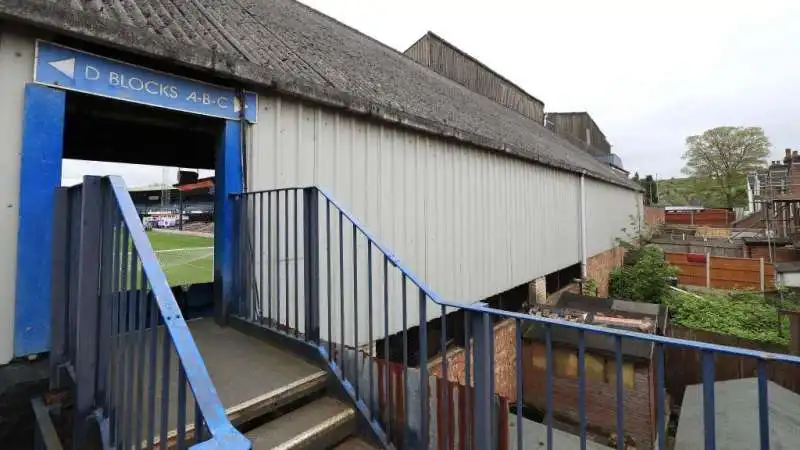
point(275, 398)
point(132, 372)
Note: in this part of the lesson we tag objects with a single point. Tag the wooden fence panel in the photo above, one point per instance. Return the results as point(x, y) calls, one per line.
point(452, 413)
point(726, 272)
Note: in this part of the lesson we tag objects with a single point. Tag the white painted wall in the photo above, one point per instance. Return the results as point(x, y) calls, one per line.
point(609, 209)
point(16, 68)
point(469, 223)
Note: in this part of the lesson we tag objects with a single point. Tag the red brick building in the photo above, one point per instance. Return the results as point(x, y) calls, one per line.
point(638, 371)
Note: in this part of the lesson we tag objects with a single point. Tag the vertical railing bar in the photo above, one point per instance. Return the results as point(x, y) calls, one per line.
point(763, 405)
point(341, 292)
point(582, 386)
point(153, 362)
point(405, 357)
point(355, 308)
point(166, 357)
point(241, 257)
point(125, 323)
point(114, 325)
point(386, 359)
point(660, 401)
point(278, 260)
point(248, 272)
point(286, 226)
point(467, 409)
point(296, 272)
point(445, 379)
point(709, 419)
point(620, 404)
point(130, 339)
point(251, 238)
point(141, 301)
point(520, 379)
point(371, 359)
point(181, 406)
point(549, 363)
point(107, 236)
point(329, 281)
point(423, 368)
point(269, 258)
point(262, 299)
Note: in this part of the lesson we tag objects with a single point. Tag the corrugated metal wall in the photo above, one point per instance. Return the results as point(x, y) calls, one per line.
point(470, 223)
point(16, 69)
point(609, 209)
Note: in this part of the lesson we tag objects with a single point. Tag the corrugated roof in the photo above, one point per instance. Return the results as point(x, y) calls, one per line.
point(291, 48)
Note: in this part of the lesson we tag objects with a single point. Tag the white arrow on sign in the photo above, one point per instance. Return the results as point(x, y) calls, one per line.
point(65, 66)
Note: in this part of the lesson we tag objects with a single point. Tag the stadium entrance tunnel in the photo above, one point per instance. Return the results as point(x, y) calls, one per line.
point(101, 129)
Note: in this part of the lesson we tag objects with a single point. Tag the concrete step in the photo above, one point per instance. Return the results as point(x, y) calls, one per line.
point(354, 443)
point(320, 424)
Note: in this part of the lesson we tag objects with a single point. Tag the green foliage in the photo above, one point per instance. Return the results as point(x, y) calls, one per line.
point(742, 314)
point(590, 287)
point(635, 237)
point(723, 156)
point(646, 280)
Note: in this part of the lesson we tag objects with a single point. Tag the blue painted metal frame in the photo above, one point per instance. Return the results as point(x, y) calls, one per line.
point(40, 173)
point(229, 179)
point(482, 416)
point(223, 432)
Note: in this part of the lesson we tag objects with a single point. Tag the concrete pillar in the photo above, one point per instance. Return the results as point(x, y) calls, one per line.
point(537, 291)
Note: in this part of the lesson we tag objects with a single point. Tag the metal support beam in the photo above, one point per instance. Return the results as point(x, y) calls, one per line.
point(584, 256)
point(311, 269)
point(483, 364)
point(88, 307)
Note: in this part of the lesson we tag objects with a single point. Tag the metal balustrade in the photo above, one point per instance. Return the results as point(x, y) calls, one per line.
point(309, 270)
point(119, 340)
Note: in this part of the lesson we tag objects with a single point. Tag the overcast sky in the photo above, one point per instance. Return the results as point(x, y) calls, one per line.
point(650, 73)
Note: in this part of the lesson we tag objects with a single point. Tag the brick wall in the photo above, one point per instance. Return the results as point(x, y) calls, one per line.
point(598, 268)
point(505, 360)
point(600, 400)
point(653, 216)
point(782, 254)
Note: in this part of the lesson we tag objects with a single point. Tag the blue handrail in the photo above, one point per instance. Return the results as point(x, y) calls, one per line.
point(282, 259)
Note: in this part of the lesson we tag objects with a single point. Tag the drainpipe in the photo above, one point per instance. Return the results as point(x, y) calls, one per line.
point(583, 227)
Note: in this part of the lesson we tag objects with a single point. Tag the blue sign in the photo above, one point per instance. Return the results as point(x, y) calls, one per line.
point(75, 70)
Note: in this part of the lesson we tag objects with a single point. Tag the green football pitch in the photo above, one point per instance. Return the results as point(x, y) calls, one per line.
point(185, 259)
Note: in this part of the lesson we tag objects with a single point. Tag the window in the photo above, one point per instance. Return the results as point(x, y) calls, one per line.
point(599, 369)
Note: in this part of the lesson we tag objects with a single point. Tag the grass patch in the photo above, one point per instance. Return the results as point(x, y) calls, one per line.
point(185, 259)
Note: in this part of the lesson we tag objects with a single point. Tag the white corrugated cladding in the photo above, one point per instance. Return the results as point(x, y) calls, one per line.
point(469, 223)
point(609, 209)
point(16, 69)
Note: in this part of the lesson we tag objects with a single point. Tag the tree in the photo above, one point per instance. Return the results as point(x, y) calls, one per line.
point(724, 156)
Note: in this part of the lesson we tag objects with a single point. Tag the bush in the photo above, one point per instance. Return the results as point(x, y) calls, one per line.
point(644, 281)
point(742, 314)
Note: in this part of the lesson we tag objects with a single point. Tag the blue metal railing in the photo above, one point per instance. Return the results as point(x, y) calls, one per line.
point(310, 270)
point(120, 342)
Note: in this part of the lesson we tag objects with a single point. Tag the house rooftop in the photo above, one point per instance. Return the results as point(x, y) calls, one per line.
point(286, 47)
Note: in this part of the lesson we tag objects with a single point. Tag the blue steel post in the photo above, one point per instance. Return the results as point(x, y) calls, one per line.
point(311, 270)
point(88, 325)
point(229, 181)
point(483, 364)
point(660, 401)
point(424, 407)
point(582, 387)
point(709, 428)
point(763, 405)
point(40, 174)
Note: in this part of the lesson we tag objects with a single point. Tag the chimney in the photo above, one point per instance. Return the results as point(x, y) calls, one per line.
point(788, 158)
